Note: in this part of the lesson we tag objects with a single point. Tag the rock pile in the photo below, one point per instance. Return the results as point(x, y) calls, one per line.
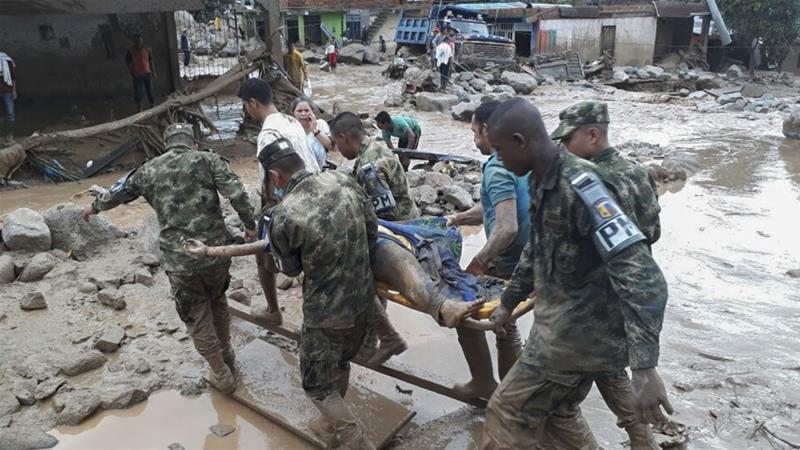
point(745, 100)
point(437, 193)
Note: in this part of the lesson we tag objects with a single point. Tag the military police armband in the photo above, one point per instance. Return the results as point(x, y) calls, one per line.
point(613, 231)
point(119, 191)
point(379, 193)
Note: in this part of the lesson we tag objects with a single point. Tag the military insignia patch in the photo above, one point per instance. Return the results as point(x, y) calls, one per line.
point(607, 209)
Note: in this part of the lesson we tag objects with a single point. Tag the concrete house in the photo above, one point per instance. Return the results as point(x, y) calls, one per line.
point(75, 49)
point(315, 21)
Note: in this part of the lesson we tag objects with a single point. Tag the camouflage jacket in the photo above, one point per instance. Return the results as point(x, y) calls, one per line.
point(181, 185)
point(390, 172)
point(330, 222)
point(590, 315)
point(633, 187)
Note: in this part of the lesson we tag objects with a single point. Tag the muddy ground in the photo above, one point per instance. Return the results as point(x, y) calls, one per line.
point(729, 346)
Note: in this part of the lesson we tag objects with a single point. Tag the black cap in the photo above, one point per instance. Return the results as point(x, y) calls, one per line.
point(274, 152)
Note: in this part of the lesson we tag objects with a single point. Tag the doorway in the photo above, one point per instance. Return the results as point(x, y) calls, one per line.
point(608, 36)
point(522, 39)
point(312, 30)
point(292, 31)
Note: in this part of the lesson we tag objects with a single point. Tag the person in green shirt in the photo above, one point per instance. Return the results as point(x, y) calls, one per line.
point(405, 129)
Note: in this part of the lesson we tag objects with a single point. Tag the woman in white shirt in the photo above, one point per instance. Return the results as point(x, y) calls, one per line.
point(317, 130)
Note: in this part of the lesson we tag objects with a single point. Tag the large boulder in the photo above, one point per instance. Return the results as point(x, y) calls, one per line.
point(753, 90)
point(424, 195)
point(18, 438)
point(724, 99)
point(477, 84)
point(415, 178)
point(72, 407)
point(432, 101)
point(7, 271)
point(457, 196)
point(422, 79)
point(25, 229)
point(791, 126)
point(371, 56)
point(312, 57)
point(352, 54)
point(734, 71)
point(39, 266)
point(620, 75)
point(78, 363)
point(437, 179)
point(464, 111)
point(522, 83)
point(71, 233)
point(654, 71)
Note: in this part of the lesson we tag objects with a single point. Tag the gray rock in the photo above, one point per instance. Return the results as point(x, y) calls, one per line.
point(394, 101)
point(73, 406)
point(415, 178)
point(150, 260)
point(87, 288)
point(642, 74)
point(497, 96)
point(653, 71)
point(753, 90)
point(466, 76)
point(500, 88)
point(794, 273)
point(24, 390)
point(283, 282)
point(433, 210)
point(422, 79)
point(241, 296)
point(620, 76)
point(698, 95)
point(143, 276)
point(432, 101)
point(138, 365)
point(39, 266)
point(7, 272)
point(26, 229)
point(70, 232)
point(477, 84)
point(48, 387)
point(112, 298)
point(522, 83)
point(729, 98)
point(121, 397)
point(473, 178)
point(706, 106)
point(371, 56)
point(693, 75)
point(464, 111)
point(175, 446)
point(32, 301)
point(352, 54)
point(106, 282)
point(222, 429)
point(236, 283)
point(791, 125)
point(735, 106)
point(424, 195)
point(684, 92)
point(457, 196)
point(312, 57)
point(437, 179)
point(734, 72)
point(8, 403)
point(110, 339)
point(18, 438)
point(79, 363)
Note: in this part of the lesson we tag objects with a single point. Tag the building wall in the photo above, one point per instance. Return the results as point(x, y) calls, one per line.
point(335, 23)
point(792, 62)
point(82, 56)
point(634, 44)
point(673, 34)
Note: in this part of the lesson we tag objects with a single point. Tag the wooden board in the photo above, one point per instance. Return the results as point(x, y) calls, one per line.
point(269, 382)
point(426, 381)
point(435, 156)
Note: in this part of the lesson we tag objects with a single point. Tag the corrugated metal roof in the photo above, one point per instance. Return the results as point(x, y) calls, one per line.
point(15, 7)
point(502, 5)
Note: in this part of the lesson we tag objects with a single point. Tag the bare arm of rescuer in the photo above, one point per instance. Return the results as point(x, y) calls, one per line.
point(503, 235)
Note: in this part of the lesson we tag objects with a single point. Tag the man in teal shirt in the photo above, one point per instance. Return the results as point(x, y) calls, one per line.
point(405, 128)
point(503, 210)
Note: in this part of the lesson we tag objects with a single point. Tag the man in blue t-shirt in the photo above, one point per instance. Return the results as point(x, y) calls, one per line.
point(503, 210)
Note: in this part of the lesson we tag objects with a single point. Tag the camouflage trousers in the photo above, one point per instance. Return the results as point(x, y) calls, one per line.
point(536, 408)
point(201, 304)
point(615, 388)
point(325, 356)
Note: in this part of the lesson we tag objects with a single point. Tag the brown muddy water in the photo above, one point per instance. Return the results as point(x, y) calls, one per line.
point(730, 346)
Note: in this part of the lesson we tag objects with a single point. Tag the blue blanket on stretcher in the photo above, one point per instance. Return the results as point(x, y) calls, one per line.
point(437, 247)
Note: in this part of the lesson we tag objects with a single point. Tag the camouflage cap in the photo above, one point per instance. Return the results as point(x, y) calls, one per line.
point(583, 113)
point(274, 152)
point(178, 128)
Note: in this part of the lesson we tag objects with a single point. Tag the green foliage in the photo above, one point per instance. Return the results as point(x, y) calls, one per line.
point(776, 22)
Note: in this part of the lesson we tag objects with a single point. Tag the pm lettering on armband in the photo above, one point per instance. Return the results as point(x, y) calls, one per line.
point(383, 202)
point(617, 234)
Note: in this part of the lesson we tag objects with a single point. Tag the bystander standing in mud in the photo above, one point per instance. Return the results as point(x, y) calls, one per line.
point(406, 129)
point(139, 60)
point(186, 48)
point(8, 94)
point(444, 56)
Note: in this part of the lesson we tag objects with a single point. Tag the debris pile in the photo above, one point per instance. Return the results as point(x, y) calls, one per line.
point(445, 188)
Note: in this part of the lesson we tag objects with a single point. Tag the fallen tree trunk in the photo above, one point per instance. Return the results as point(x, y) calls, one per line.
point(15, 154)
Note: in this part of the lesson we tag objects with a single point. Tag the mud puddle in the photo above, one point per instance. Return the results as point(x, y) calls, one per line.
point(167, 418)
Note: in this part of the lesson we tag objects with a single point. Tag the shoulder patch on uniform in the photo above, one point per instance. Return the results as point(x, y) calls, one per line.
point(612, 231)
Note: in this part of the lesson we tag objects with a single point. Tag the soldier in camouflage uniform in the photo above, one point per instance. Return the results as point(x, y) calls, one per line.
point(348, 134)
point(325, 227)
point(584, 131)
point(181, 186)
point(600, 302)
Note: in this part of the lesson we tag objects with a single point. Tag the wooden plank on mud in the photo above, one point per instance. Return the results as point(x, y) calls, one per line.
point(390, 368)
point(111, 157)
point(435, 156)
point(269, 382)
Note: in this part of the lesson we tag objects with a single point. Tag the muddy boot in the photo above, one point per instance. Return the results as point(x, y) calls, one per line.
point(220, 375)
point(509, 348)
point(641, 437)
point(229, 356)
point(323, 428)
point(262, 313)
point(391, 342)
point(476, 352)
point(390, 346)
point(350, 434)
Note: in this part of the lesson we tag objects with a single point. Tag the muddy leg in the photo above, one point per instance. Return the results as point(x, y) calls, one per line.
point(618, 395)
point(479, 360)
point(266, 275)
point(509, 348)
point(391, 343)
point(399, 268)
